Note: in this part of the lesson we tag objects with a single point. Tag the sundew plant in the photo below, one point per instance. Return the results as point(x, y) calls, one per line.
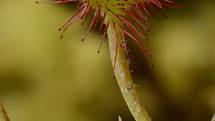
point(120, 21)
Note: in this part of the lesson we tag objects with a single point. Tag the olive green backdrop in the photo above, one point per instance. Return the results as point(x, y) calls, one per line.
point(44, 78)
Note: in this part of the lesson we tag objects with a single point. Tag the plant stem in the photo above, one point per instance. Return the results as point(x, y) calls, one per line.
point(213, 119)
point(5, 115)
point(124, 79)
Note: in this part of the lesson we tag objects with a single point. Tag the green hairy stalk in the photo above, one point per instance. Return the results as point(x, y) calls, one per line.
point(213, 119)
point(124, 79)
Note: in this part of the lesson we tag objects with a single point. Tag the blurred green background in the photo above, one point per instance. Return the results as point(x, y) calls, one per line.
point(46, 78)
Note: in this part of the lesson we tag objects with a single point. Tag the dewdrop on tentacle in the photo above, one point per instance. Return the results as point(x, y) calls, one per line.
point(130, 18)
